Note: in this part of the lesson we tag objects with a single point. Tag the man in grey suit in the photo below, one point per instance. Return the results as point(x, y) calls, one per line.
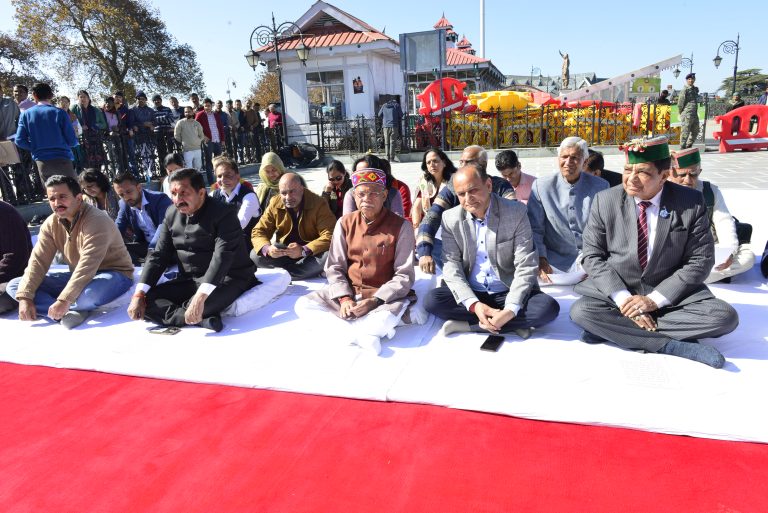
point(647, 250)
point(489, 263)
point(558, 209)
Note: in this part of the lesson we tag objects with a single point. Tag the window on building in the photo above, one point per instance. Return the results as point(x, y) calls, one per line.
point(325, 93)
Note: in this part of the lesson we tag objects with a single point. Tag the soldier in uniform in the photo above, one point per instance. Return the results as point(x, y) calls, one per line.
point(689, 115)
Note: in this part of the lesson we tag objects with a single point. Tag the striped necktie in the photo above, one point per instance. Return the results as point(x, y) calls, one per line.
point(642, 234)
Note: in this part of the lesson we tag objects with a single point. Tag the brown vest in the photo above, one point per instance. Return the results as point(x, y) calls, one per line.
point(371, 250)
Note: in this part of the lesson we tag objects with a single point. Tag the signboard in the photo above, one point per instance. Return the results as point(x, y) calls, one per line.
point(422, 52)
point(646, 85)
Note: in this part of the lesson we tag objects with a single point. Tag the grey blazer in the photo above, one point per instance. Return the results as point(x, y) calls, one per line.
point(510, 248)
point(683, 250)
point(558, 212)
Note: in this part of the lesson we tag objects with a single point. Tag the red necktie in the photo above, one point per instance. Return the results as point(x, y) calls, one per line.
point(642, 234)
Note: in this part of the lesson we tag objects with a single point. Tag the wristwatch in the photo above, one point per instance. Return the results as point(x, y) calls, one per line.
point(378, 300)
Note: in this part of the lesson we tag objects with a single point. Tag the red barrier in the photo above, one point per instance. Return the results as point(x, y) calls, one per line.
point(738, 132)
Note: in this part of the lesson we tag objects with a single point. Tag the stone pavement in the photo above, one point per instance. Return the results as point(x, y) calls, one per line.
point(738, 170)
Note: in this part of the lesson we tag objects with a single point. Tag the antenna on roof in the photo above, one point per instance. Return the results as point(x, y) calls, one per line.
point(384, 31)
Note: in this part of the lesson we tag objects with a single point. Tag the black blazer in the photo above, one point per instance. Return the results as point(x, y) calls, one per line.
point(209, 246)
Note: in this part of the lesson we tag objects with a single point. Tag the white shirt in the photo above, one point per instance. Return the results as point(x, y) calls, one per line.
point(652, 220)
point(482, 277)
point(143, 219)
point(249, 208)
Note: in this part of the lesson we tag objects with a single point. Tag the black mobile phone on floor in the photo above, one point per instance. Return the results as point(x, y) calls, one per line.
point(492, 343)
point(165, 330)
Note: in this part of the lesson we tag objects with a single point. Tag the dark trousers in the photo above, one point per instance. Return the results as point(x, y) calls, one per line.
point(301, 269)
point(168, 302)
point(537, 311)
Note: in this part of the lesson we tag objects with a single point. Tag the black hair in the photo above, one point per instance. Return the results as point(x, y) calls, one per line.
point(125, 176)
point(506, 159)
point(93, 175)
point(42, 91)
point(336, 165)
point(207, 100)
point(225, 161)
point(83, 91)
point(174, 158)
point(594, 161)
point(194, 177)
point(22, 86)
point(70, 182)
point(449, 169)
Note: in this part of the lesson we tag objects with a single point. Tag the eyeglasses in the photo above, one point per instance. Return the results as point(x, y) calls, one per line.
point(692, 174)
point(363, 195)
point(336, 178)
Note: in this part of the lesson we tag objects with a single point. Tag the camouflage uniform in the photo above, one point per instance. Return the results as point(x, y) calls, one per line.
point(689, 115)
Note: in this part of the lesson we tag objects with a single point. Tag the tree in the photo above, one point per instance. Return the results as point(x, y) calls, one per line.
point(18, 63)
point(116, 44)
point(749, 82)
point(265, 90)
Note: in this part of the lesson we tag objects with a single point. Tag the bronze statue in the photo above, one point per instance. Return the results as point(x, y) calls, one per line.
point(566, 72)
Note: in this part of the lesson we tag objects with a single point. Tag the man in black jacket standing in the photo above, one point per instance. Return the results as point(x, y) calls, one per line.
point(214, 267)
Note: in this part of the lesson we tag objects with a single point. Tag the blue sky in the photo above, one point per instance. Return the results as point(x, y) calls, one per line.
point(605, 37)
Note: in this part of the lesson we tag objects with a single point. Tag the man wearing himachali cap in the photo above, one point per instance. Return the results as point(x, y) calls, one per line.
point(735, 257)
point(647, 251)
point(369, 269)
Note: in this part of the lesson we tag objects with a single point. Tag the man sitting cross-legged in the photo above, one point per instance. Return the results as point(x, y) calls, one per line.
point(302, 224)
point(204, 236)
point(141, 214)
point(647, 251)
point(489, 263)
point(369, 268)
point(100, 268)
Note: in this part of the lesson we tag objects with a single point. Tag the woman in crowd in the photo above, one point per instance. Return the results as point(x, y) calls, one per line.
point(64, 104)
point(338, 185)
point(98, 192)
point(394, 201)
point(94, 125)
point(402, 188)
point(437, 170)
point(270, 171)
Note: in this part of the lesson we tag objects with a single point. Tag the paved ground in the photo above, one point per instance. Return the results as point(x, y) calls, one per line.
point(739, 170)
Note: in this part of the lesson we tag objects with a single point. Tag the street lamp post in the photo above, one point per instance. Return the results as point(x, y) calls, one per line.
point(684, 63)
point(265, 35)
point(729, 46)
point(230, 81)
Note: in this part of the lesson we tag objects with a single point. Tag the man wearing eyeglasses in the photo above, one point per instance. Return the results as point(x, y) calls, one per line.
point(302, 225)
point(430, 254)
point(369, 269)
point(738, 257)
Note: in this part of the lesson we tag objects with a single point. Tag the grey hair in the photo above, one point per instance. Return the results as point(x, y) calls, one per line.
point(574, 142)
point(482, 154)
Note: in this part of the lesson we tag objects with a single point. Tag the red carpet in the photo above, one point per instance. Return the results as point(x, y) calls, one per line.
point(85, 442)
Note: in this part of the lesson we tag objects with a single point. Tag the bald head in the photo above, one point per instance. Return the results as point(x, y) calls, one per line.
point(474, 154)
point(291, 188)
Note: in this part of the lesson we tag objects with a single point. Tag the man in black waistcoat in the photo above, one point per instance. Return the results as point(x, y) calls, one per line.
point(214, 268)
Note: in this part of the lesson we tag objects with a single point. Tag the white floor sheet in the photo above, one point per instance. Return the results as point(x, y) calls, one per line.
point(551, 376)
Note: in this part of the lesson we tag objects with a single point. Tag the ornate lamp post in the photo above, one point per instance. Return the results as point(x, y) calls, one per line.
point(265, 35)
point(729, 46)
point(685, 63)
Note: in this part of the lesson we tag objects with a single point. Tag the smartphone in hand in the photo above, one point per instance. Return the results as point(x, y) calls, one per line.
point(492, 343)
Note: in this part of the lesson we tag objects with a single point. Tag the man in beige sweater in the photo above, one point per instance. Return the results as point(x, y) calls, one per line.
point(190, 134)
point(100, 269)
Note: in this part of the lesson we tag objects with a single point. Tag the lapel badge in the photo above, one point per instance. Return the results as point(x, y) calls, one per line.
point(664, 213)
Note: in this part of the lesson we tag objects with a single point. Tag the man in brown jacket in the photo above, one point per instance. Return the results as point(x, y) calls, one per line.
point(100, 269)
point(302, 225)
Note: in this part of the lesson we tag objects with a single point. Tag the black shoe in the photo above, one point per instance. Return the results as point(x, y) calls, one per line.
point(37, 220)
point(213, 323)
point(591, 338)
